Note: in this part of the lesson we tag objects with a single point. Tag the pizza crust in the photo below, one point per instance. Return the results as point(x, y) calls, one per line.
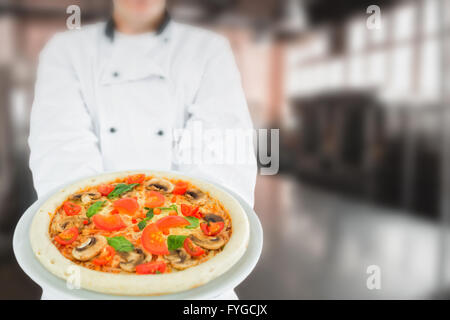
point(132, 284)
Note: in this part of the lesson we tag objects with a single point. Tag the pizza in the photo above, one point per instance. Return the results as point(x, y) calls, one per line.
point(140, 233)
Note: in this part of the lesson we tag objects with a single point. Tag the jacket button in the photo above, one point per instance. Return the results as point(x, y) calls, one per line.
point(115, 74)
point(160, 133)
point(112, 129)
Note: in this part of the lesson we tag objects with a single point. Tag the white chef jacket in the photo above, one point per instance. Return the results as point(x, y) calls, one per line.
point(109, 102)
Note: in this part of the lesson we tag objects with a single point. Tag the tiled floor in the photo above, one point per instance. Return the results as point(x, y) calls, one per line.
point(316, 245)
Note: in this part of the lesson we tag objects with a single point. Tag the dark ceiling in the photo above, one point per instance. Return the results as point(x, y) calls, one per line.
point(325, 11)
point(263, 12)
point(269, 11)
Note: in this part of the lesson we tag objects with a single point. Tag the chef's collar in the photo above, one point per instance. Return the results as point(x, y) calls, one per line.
point(110, 26)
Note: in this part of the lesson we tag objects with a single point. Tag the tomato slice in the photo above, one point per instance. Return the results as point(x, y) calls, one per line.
point(105, 189)
point(185, 210)
point(196, 213)
point(154, 199)
point(67, 236)
point(71, 209)
point(136, 178)
point(108, 223)
point(189, 211)
point(126, 205)
point(151, 267)
point(212, 228)
point(171, 222)
point(192, 249)
point(105, 257)
point(100, 261)
point(153, 240)
point(180, 187)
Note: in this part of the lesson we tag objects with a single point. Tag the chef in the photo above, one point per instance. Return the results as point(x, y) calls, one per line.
point(108, 97)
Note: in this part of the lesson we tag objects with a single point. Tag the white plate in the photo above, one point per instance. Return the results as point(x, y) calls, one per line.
point(229, 280)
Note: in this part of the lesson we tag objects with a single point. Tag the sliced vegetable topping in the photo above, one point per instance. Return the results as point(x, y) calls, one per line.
point(192, 249)
point(194, 222)
point(105, 257)
point(154, 267)
point(189, 211)
point(171, 222)
point(211, 228)
point(153, 240)
point(159, 184)
point(108, 223)
point(172, 207)
point(136, 178)
point(105, 189)
point(89, 248)
point(149, 215)
point(175, 241)
point(120, 189)
point(126, 205)
point(93, 209)
point(180, 188)
point(71, 209)
point(154, 199)
point(67, 236)
point(185, 209)
point(120, 243)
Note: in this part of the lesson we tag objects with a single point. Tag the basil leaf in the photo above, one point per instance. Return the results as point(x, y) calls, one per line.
point(172, 207)
point(142, 224)
point(175, 241)
point(120, 244)
point(194, 222)
point(120, 189)
point(93, 209)
point(149, 214)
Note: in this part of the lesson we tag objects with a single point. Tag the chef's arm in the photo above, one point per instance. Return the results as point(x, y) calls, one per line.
point(62, 141)
point(220, 104)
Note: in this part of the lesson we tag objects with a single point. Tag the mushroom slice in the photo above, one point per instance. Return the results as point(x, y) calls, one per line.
point(62, 223)
point(86, 197)
point(89, 248)
point(196, 196)
point(158, 184)
point(129, 260)
point(180, 259)
point(211, 217)
point(210, 243)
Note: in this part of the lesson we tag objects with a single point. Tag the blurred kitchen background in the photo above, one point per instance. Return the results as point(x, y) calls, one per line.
point(364, 138)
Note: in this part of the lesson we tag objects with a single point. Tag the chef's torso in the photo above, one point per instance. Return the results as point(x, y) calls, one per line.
point(137, 88)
